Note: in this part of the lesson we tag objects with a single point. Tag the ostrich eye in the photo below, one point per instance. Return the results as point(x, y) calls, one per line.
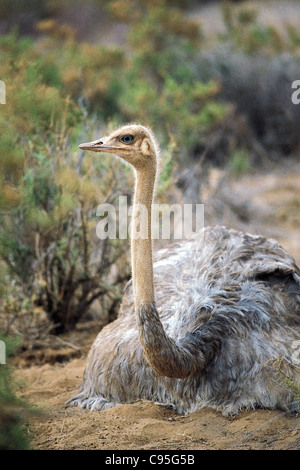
point(127, 139)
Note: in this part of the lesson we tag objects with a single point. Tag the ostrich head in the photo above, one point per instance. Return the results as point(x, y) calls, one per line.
point(133, 143)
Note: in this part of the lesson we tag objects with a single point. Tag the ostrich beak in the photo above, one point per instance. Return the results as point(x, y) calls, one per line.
point(98, 146)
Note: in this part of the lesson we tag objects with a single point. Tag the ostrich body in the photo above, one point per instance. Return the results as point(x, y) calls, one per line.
point(201, 323)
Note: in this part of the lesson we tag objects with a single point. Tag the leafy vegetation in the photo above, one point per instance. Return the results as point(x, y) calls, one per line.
point(282, 377)
point(48, 196)
point(50, 191)
point(255, 65)
point(13, 433)
point(221, 103)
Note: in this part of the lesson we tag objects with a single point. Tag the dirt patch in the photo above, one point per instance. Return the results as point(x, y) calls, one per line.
point(140, 426)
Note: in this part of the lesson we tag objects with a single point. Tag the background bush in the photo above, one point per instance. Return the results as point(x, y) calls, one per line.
point(224, 102)
point(255, 66)
point(13, 432)
point(58, 92)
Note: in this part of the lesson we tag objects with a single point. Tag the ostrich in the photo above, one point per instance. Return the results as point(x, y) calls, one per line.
point(202, 325)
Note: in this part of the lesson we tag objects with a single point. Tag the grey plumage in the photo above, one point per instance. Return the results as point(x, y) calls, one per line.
point(229, 304)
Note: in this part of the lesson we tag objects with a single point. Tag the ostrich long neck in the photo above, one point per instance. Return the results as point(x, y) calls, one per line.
point(141, 247)
point(165, 356)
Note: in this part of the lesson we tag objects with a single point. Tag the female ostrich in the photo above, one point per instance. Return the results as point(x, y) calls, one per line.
point(202, 327)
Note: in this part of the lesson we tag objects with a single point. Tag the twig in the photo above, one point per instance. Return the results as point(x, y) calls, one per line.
point(62, 428)
point(67, 343)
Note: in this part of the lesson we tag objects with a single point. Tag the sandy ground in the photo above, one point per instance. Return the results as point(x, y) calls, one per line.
point(142, 426)
point(47, 378)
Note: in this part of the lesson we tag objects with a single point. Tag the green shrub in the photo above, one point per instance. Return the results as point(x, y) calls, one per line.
point(161, 87)
point(245, 33)
point(48, 196)
point(260, 88)
point(48, 241)
point(204, 107)
point(239, 163)
point(13, 433)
